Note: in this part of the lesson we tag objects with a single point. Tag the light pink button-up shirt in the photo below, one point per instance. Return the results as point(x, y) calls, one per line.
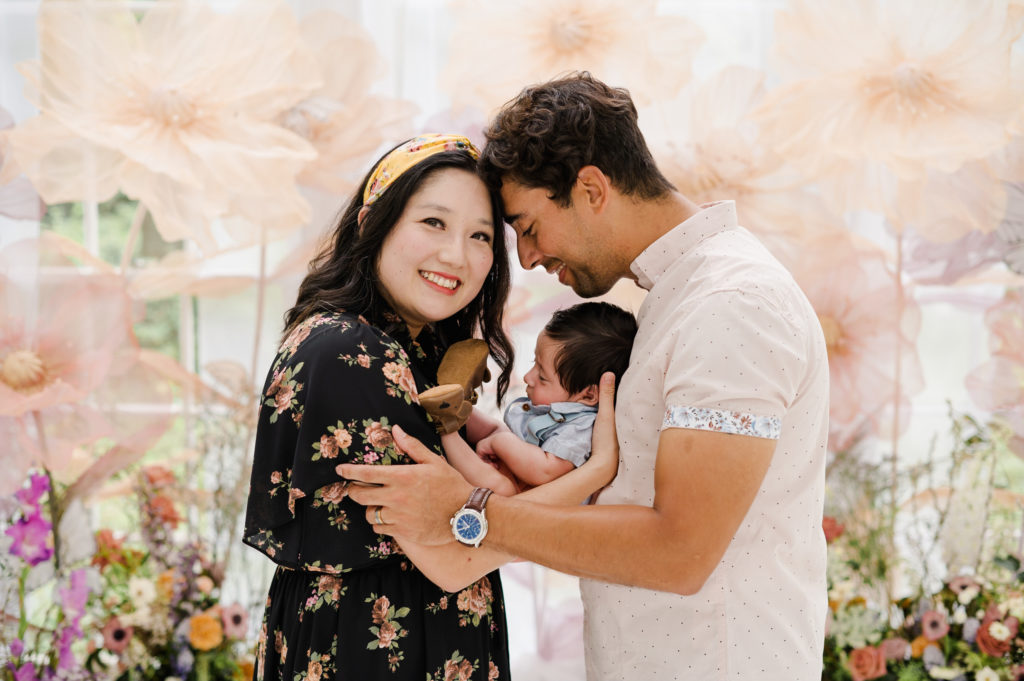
point(727, 342)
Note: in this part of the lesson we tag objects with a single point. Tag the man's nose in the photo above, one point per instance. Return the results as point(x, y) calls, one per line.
point(529, 257)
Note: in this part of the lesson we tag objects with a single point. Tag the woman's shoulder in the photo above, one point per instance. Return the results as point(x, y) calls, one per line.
point(333, 332)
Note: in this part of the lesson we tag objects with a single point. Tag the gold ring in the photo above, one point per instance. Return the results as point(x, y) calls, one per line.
point(376, 516)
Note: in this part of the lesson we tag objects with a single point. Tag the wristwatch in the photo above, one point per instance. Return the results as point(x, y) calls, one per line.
point(469, 524)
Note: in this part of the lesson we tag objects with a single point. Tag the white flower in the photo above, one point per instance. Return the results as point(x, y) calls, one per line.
point(843, 591)
point(139, 618)
point(986, 674)
point(945, 672)
point(959, 616)
point(999, 631)
point(968, 595)
point(1015, 606)
point(142, 591)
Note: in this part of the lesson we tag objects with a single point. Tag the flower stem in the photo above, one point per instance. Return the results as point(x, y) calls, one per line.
point(133, 236)
point(22, 615)
point(51, 497)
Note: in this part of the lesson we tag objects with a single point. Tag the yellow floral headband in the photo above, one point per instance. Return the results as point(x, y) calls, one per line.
point(409, 154)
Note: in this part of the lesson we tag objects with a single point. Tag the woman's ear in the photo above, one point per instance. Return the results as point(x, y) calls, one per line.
point(587, 396)
point(361, 215)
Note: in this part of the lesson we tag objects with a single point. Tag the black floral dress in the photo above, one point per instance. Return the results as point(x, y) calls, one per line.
point(345, 603)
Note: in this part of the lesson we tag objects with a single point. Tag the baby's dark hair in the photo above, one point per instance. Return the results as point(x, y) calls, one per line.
point(594, 338)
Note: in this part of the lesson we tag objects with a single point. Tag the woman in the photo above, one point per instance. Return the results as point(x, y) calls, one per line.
point(417, 262)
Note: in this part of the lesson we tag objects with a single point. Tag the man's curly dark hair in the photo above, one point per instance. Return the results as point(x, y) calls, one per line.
point(549, 131)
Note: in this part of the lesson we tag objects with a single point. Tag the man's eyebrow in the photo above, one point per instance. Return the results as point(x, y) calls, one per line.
point(510, 219)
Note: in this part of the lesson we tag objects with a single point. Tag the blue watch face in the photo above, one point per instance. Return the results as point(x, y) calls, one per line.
point(468, 526)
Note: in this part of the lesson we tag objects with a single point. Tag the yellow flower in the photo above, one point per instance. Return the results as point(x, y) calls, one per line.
point(205, 632)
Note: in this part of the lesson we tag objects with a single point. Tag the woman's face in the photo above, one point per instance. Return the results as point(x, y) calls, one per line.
point(437, 256)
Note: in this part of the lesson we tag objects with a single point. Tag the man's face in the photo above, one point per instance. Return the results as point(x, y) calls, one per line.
point(559, 239)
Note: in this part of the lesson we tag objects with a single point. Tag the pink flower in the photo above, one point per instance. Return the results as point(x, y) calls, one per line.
point(378, 436)
point(380, 609)
point(387, 634)
point(235, 620)
point(334, 492)
point(64, 338)
point(894, 648)
point(833, 528)
point(328, 447)
point(364, 361)
point(115, 636)
point(866, 663)
point(934, 625)
point(343, 438)
point(865, 327)
point(998, 384)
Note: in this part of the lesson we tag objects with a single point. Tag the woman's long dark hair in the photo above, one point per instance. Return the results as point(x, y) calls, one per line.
point(343, 275)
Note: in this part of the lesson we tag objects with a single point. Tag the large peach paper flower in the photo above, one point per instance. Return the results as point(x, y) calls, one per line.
point(867, 331)
point(527, 41)
point(174, 109)
point(880, 92)
point(723, 157)
point(68, 361)
point(17, 198)
point(998, 384)
point(344, 122)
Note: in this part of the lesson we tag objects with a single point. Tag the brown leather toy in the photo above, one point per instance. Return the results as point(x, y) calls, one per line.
point(462, 370)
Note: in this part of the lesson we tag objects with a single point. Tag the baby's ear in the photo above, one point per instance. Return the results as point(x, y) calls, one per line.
point(588, 396)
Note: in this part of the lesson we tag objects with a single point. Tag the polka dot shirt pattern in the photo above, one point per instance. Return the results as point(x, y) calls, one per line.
point(724, 329)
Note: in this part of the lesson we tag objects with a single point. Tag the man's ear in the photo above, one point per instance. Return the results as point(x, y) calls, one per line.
point(587, 396)
point(593, 187)
point(361, 215)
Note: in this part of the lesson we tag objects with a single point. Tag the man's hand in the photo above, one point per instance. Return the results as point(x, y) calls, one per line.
point(415, 501)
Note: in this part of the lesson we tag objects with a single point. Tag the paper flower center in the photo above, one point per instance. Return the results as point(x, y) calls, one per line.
point(833, 333)
point(308, 116)
point(171, 107)
point(571, 32)
point(23, 371)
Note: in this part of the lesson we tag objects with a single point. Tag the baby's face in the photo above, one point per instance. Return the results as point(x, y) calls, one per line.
point(542, 384)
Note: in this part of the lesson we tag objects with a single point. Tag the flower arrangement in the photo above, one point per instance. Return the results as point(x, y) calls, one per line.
point(161, 614)
point(967, 631)
point(145, 607)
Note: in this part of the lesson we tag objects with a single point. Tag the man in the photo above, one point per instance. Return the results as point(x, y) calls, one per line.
point(705, 558)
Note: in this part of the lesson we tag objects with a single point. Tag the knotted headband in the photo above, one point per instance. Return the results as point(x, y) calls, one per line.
point(409, 154)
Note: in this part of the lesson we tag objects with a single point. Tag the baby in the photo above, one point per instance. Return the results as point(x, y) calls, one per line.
point(547, 433)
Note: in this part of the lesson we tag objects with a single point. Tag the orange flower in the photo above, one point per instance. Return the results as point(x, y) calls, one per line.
point(158, 476)
point(205, 631)
point(918, 645)
point(246, 669)
point(833, 528)
point(161, 508)
point(166, 582)
point(108, 549)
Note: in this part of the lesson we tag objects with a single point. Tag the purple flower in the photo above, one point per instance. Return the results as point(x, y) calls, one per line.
point(933, 657)
point(29, 497)
point(970, 630)
point(27, 672)
point(33, 541)
point(17, 647)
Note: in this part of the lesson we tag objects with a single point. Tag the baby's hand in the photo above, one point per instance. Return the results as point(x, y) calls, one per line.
point(485, 447)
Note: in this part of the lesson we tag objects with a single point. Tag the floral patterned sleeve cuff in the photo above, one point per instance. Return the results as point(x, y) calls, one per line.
point(721, 421)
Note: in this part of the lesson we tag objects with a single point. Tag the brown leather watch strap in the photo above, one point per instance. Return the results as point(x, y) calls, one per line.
point(478, 498)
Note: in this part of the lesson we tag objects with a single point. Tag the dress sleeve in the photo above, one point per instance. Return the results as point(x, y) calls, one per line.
point(738, 368)
point(331, 400)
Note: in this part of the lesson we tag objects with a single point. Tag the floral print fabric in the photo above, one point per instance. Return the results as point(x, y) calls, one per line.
point(345, 602)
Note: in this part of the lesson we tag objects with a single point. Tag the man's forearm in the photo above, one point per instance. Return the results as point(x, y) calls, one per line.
point(631, 545)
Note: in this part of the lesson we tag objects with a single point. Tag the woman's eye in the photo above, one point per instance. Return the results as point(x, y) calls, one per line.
point(433, 222)
point(483, 236)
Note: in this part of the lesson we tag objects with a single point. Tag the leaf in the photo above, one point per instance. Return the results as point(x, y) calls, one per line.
point(402, 612)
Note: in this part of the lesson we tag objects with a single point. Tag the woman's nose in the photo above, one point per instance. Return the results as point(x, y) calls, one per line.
point(453, 251)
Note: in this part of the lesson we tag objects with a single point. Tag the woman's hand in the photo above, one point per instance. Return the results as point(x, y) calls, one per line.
point(604, 443)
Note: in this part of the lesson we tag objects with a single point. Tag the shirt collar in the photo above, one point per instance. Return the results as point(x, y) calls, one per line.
point(657, 258)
